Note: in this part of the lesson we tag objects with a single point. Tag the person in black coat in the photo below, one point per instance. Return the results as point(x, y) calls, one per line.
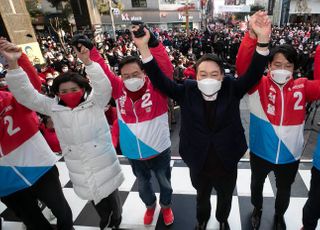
point(212, 139)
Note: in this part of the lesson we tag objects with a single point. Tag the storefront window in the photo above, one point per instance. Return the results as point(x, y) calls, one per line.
point(139, 3)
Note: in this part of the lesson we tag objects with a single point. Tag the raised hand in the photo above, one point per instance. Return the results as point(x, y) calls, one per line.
point(10, 52)
point(83, 53)
point(141, 42)
point(251, 20)
point(261, 26)
point(82, 39)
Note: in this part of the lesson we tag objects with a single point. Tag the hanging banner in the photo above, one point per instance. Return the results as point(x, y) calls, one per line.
point(33, 52)
point(270, 7)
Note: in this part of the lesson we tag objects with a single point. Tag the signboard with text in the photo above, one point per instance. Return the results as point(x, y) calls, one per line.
point(234, 8)
point(127, 17)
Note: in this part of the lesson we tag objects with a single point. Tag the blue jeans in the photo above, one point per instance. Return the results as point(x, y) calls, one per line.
point(160, 165)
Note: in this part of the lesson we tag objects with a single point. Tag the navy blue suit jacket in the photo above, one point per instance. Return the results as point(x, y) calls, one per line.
point(227, 136)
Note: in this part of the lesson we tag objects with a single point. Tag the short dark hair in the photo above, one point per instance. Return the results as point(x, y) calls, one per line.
point(81, 81)
point(288, 52)
point(210, 57)
point(129, 60)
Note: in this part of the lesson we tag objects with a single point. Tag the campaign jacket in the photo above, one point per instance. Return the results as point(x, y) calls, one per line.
point(83, 133)
point(143, 124)
point(316, 156)
point(277, 114)
point(24, 154)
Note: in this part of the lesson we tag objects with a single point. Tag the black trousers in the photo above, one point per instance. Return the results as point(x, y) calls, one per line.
point(311, 210)
point(285, 175)
point(109, 210)
point(47, 189)
point(223, 182)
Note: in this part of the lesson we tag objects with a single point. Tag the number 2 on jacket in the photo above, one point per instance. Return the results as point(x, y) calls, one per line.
point(146, 102)
point(299, 96)
point(10, 130)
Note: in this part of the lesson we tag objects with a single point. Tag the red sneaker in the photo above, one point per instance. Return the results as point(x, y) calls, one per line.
point(167, 216)
point(148, 216)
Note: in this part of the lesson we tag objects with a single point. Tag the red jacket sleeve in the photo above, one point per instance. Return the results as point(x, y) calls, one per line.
point(115, 133)
point(111, 115)
point(190, 73)
point(5, 100)
point(245, 54)
point(312, 90)
point(116, 82)
point(316, 71)
point(30, 70)
point(161, 56)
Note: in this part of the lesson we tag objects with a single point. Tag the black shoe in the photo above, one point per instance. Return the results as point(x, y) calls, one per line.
point(115, 223)
point(224, 226)
point(279, 223)
point(256, 218)
point(202, 226)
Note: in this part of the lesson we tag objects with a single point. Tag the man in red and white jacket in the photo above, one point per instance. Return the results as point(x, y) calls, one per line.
point(277, 117)
point(27, 164)
point(143, 125)
point(311, 209)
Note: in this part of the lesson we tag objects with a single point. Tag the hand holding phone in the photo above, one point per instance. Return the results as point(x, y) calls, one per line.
point(139, 33)
point(81, 39)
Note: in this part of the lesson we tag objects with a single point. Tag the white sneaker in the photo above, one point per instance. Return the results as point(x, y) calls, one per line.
point(48, 214)
point(51, 216)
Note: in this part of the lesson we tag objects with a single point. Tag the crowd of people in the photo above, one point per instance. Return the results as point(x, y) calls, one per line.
point(88, 114)
point(221, 39)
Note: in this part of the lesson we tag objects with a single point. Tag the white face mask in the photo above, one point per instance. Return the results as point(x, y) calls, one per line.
point(209, 88)
point(49, 83)
point(281, 76)
point(134, 84)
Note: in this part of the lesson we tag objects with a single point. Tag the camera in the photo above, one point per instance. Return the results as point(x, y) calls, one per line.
point(139, 33)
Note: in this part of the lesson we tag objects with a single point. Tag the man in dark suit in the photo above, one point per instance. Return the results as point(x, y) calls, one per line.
point(212, 138)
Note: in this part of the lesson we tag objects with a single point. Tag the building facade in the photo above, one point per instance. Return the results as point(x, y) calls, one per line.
point(305, 11)
point(163, 14)
point(15, 25)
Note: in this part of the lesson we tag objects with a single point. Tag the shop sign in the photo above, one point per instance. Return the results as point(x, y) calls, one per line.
point(183, 18)
point(234, 8)
point(126, 17)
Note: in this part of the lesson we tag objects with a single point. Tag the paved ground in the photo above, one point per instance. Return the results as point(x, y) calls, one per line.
point(183, 204)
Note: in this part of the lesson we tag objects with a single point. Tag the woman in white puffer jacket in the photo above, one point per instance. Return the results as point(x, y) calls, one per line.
point(83, 132)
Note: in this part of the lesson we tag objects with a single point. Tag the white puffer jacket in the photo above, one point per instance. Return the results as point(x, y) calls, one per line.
point(83, 133)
